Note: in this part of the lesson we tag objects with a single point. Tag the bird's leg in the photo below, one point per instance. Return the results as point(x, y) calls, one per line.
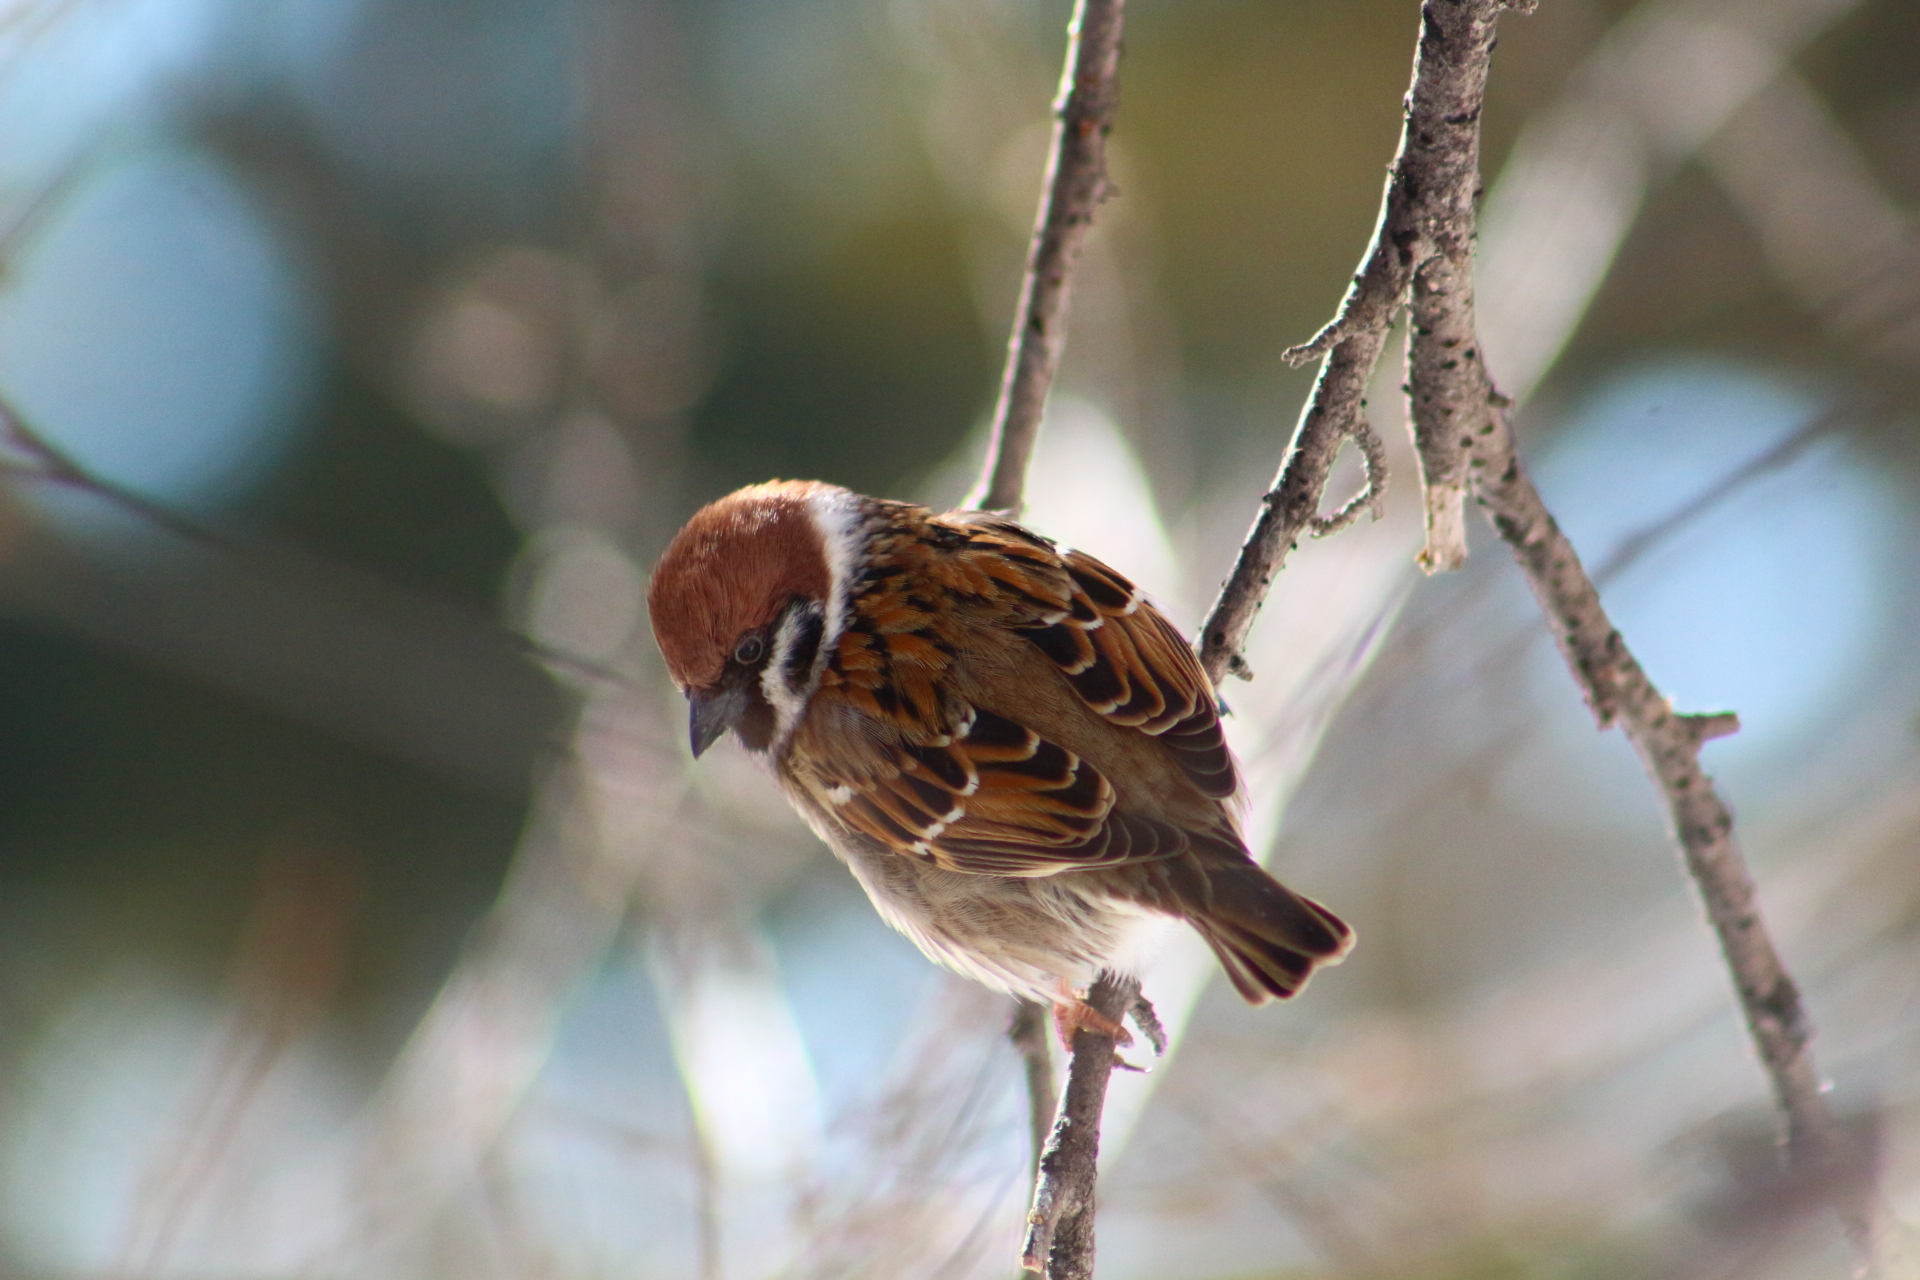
point(1071, 1013)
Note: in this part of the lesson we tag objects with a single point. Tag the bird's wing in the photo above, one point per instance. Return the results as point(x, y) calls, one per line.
point(894, 751)
point(992, 798)
point(1116, 649)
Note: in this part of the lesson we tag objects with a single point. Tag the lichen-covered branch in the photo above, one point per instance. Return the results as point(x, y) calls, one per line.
point(1421, 254)
point(1428, 200)
point(1076, 183)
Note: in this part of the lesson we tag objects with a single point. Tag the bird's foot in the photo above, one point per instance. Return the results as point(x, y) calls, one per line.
point(1071, 1013)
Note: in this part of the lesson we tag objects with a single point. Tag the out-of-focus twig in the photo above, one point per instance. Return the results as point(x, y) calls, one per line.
point(1629, 550)
point(1430, 186)
point(26, 454)
point(286, 970)
point(1076, 182)
point(925, 1190)
point(1059, 1241)
point(1028, 1032)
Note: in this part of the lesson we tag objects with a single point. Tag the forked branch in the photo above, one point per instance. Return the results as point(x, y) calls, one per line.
point(1428, 201)
point(1421, 255)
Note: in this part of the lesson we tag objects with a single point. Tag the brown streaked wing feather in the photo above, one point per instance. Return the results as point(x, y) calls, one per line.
point(997, 799)
point(968, 789)
point(1127, 662)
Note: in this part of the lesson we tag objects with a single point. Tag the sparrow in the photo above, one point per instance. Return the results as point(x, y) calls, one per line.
point(1016, 754)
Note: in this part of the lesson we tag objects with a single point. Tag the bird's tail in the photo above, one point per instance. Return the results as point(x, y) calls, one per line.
point(1269, 938)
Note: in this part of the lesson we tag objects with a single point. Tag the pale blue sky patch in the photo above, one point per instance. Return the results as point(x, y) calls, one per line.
point(1770, 602)
point(102, 63)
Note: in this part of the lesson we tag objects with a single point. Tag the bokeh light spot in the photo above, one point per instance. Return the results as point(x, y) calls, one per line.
point(156, 331)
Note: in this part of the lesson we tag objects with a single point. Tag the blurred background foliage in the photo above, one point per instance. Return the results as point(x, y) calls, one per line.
point(340, 936)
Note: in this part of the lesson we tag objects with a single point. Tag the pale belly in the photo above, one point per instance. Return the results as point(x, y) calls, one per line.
point(1027, 936)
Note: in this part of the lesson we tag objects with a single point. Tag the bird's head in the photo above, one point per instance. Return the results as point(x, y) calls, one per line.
point(746, 602)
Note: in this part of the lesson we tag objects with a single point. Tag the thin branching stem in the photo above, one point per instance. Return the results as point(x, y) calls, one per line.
point(1076, 183)
point(1428, 198)
point(1421, 256)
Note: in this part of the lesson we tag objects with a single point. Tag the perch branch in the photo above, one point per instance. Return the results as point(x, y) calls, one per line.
point(1060, 1236)
point(1076, 183)
point(1059, 1240)
point(1430, 188)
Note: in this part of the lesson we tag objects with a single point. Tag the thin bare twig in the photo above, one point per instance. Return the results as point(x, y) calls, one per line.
point(1059, 1240)
point(1076, 183)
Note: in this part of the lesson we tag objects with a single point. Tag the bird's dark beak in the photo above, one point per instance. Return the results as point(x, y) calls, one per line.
point(711, 712)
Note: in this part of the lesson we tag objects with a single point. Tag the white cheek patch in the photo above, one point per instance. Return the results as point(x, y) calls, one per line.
point(786, 689)
point(843, 526)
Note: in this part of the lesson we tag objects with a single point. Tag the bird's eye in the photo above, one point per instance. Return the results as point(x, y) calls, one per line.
point(748, 651)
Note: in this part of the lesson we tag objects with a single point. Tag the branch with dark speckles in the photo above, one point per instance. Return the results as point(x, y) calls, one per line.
point(1668, 742)
point(1426, 219)
point(1059, 1243)
point(1421, 257)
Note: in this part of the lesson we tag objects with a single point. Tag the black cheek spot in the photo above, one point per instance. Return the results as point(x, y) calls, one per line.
point(806, 647)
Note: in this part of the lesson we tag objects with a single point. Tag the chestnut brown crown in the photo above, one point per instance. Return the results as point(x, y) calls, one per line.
point(731, 572)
